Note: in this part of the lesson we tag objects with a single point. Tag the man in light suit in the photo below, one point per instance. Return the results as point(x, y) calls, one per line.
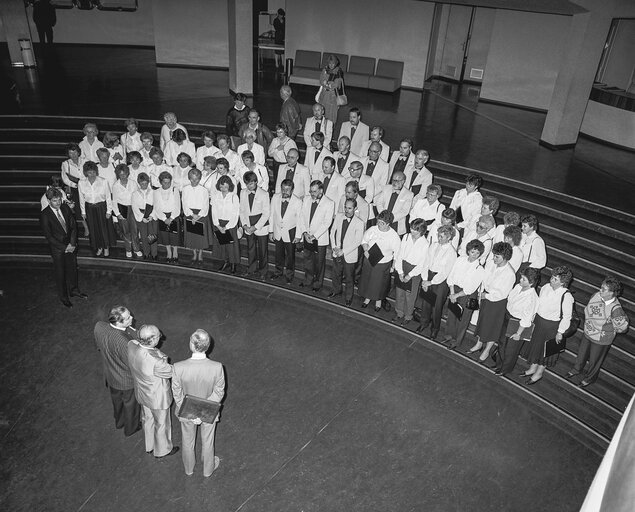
point(295, 172)
point(315, 155)
point(366, 183)
point(202, 378)
point(60, 230)
point(151, 372)
point(376, 135)
point(285, 229)
point(419, 177)
point(362, 208)
point(318, 123)
point(343, 157)
point(346, 239)
point(355, 130)
point(254, 217)
point(402, 160)
point(376, 167)
point(317, 216)
point(334, 184)
point(397, 199)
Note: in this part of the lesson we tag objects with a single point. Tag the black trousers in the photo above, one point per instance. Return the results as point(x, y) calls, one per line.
point(127, 410)
point(595, 354)
point(433, 313)
point(314, 264)
point(65, 269)
point(508, 350)
point(257, 253)
point(285, 258)
point(347, 271)
point(45, 31)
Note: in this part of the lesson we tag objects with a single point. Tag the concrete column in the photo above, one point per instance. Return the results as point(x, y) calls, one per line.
point(16, 26)
point(587, 35)
point(241, 68)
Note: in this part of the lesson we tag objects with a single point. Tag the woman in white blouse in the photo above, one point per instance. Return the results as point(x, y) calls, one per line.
point(553, 317)
point(428, 208)
point(181, 171)
point(279, 147)
point(226, 152)
point(250, 144)
point(448, 218)
point(195, 204)
point(72, 172)
point(167, 210)
point(158, 165)
point(90, 144)
point(131, 140)
point(225, 212)
point(464, 280)
point(96, 206)
point(207, 149)
point(521, 309)
point(122, 192)
point(513, 235)
point(409, 265)
point(498, 281)
point(222, 169)
point(143, 209)
point(116, 152)
point(375, 281)
point(179, 144)
point(260, 171)
point(105, 166)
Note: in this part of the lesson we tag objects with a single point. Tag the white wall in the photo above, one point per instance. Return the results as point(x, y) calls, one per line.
point(524, 58)
point(397, 30)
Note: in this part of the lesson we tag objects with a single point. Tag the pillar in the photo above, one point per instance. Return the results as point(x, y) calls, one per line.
point(241, 68)
point(16, 26)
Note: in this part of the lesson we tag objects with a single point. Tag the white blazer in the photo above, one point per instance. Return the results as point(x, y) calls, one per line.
point(410, 163)
point(385, 150)
point(301, 180)
point(326, 127)
point(380, 172)
point(402, 206)
point(261, 206)
point(363, 210)
point(351, 158)
point(421, 181)
point(319, 225)
point(362, 134)
point(315, 166)
point(353, 238)
point(280, 226)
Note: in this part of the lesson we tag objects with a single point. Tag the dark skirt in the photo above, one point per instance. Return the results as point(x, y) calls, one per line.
point(544, 330)
point(193, 237)
point(375, 281)
point(491, 320)
point(98, 225)
point(170, 235)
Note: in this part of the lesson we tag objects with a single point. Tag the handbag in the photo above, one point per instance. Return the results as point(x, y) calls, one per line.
point(472, 304)
point(341, 99)
point(575, 318)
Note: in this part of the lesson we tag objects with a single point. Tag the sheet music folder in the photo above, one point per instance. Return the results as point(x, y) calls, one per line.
point(194, 407)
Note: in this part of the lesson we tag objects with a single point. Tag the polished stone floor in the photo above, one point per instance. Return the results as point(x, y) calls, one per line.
point(326, 408)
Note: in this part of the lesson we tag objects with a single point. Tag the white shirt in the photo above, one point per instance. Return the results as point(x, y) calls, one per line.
point(166, 134)
point(422, 209)
point(225, 207)
point(441, 259)
point(468, 275)
point(154, 172)
point(278, 155)
point(549, 305)
point(141, 198)
point(470, 205)
point(134, 173)
point(387, 241)
point(72, 169)
point(517, 258)
point(122, 195)
point(97, 192)
point(498, 281)
point(89, 151)
point(131, 142)
point(197, 198)
point(173, 150)
point(256, 149)
point(433, 235)
point(108, 173)
point(522, 305)
point(232, 157)
point(204, 151)
point(414, 252)
point(260, 171)
point(212, 180)
point(119, 150)
point(179, 177)
point(167, 201)
point(534, 250)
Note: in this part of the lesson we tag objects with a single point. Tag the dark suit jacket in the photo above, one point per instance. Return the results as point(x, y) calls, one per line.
point(57, 238)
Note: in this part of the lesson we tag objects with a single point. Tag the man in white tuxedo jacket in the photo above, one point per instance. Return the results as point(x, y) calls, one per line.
point(295, 172)
point(376, 167)
point(396, 198)
point(315, 155)
point(254, 218)
point(376, 135)
point(343, 156)
point(402, 160)
point(419, 177)
point(318, 123)
point(200, 377)
point(317, 216)
point(366, 184)
point(355, 130)
point(362, 208)
point(334, 183)
point(346, 239)
point(285, 229)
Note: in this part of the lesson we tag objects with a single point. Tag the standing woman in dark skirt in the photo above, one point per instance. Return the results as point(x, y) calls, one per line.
point(553, 317)
point(225, 212)
point(375, 280)
point(72, 172)
point(167, 210)
point(96, 207)
point(195, 204)
point(498, 281)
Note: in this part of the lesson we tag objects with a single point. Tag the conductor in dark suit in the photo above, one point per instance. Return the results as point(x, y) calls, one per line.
point(203, 378)
point(60, 229)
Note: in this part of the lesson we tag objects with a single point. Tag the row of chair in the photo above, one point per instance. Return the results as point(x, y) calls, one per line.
point(364, 72)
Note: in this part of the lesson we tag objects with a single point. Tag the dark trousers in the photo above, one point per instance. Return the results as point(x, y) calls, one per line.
point(257, 253)
point(594, 354)
point(432, 313)
point(457, 328)
point(126, 410)
point(145, 228)
point(347, 271)
point(314, 263)
point(285, 258)
point(508, 350)
point(65, 269)
point(45, 31)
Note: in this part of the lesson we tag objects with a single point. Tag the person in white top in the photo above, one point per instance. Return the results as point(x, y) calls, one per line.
point(195, 204)
point(251, 145)
point(254, 217)
point(168, 128)
point(56, 183)
point(222, 169)
point(344, 156)
point(375, 281)
point(334, 184)
point(167, 210)
point(509, 219)
point(418, 177)
point(131, 140)
point(179, 144)
point(96, 207)
point(356, 130)
point(362, 208)
point(249, 164)
point(105, 166)
point(295, 172)
point(279, 148)
point(553, 318)
point(366, 185)
point(410, 265)
point(489, 207)
point(484, 231)
point(521, 309)
point(513, 235)
point(402, 160)
point(209, 176)
point(318, 123)
point(143, 210)
point(116, 152)
point(440, 260)
point(207, 149)
point(532, 245)
point(376, 135)
point(467, 201)
point(315, 155)
point(376, 167)
point(135, 167)
point(72, 172)
point(498, 282)
point(89, 144)
point(464, 280)
point(180, 171)
point(225, 215)
point(146, 147)
point(427, 207)
point(448, 218)
point(233, 160)
point(123, 216)
point(157, 166)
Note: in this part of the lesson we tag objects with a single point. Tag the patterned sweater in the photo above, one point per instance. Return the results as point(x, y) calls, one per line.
point(603, 321)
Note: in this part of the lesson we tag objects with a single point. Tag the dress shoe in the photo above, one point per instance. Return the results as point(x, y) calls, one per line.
point(421, 328)
point(584, 384)
point(434, 335)
point(79, 295)
point(377, 309)
point(150, 452)
point(525, 374)
point(99, 252)
point(396, 319)
point(498, 372)
point(106, 253)
point(174, 450)
point(224, 266)
point(531, 382)
point(365, 305)
point(138, 254)
point(349, 303)
point(66, 303)
point(129, 255)
point(386, 305)
point(470, 352)
point(175, 261)
point(570, 374)
point(405, 322)
point(275, 275)
point(333, 294)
